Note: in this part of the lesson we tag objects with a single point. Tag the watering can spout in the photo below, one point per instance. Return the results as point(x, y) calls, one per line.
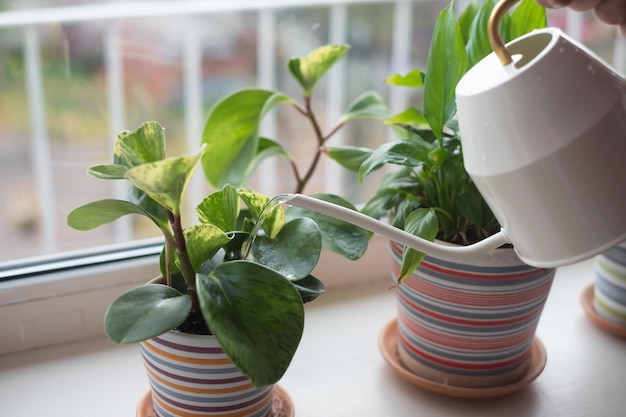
point(450, 253)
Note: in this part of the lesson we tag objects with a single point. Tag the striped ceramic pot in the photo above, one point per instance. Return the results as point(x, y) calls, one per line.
point(469, 324)
point(190, 375)
point(609, 300)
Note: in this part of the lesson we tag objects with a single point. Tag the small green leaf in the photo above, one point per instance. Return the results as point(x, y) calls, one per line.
point(411, 117)
point(423, 223)
point(350, 157)
point(165, 181)
point(411, 153)
point(231, 135)
point(413, 79)
point(294, 252)
point(307, 71)
point(145, 312)
point(343, 238)
point(145, 145)
point(257, 316)
point(203, 241)
point(257, 203)
point(220, 208)
point(368, 105)
point(108, 172)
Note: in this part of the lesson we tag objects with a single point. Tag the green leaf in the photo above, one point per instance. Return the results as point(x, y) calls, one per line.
point(350, 157)
point(368, 105)
point(98, 213)
point(203, 241)
point(411, 153)
point(165, 181)
point(146, 144)
point(294, 252)
point(410, 117)
point(257, 316)
point(526, 17)
point(145, 312)
point(108, 172)
point(423, 223)
point(447, 62)
point(478, 45)
point(273, 217)
point(307, 71)
point(220, 208)
point(267, 148)
point(309, 288)
point(231, 135)
point(413, 79)
point(343, 238)
point(466, 18)
point(471, 208)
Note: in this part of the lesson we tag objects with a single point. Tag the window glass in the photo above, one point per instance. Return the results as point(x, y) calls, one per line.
point(44, 151)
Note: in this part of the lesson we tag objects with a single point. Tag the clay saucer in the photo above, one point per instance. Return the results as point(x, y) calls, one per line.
point(388, 346)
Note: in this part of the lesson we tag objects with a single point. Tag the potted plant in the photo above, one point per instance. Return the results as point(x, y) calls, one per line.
point(469, 326)
point(236, 281)
point(220, 279)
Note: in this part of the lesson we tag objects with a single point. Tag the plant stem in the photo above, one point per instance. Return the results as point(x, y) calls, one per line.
point(302, 182)
point(180, 249)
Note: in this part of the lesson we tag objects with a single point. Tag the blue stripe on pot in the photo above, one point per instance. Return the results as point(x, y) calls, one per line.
point(470, 324)
point(609, 301)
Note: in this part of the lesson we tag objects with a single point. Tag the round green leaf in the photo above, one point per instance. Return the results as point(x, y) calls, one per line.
point(295, 250)
point(145, 312)
point(341, 237)
point(257, 316)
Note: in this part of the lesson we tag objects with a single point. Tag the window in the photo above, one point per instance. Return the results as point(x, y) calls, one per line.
point(73, 76)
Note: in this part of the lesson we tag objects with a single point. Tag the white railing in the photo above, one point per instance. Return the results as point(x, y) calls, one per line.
point(30, 21)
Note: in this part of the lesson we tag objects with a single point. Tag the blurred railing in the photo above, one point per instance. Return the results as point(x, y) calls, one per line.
point(30, 22)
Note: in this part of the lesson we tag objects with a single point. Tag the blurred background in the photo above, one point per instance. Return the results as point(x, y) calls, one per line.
point(75, 73)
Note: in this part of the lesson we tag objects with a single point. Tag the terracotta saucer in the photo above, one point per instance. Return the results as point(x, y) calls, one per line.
point(586, 300)
point(388, 346)
point(282, 405)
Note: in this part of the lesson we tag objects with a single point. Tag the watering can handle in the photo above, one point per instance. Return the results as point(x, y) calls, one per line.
point(493, 30)
point(450, 253)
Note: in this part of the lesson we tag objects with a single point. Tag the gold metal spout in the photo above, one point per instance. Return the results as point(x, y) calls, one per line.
point(493, 30)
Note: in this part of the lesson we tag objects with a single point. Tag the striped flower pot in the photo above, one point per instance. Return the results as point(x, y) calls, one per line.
point(609, 300)
point(190, 375)
point(471, 324)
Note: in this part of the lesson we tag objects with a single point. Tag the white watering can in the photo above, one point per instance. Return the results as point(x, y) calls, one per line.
point(543, 131)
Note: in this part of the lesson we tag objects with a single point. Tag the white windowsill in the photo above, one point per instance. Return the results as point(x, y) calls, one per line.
point(338, 370)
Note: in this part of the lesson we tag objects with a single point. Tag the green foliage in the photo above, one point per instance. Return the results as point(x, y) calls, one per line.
point(431, 194)
point(249, 289)
point(234, 148)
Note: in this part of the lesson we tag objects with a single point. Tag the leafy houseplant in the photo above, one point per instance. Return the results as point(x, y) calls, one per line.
point(247, 291)
point(431, 194)
point(222, 276)
point(233, 153)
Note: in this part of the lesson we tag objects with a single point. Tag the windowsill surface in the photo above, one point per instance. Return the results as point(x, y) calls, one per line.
point(338, 369)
